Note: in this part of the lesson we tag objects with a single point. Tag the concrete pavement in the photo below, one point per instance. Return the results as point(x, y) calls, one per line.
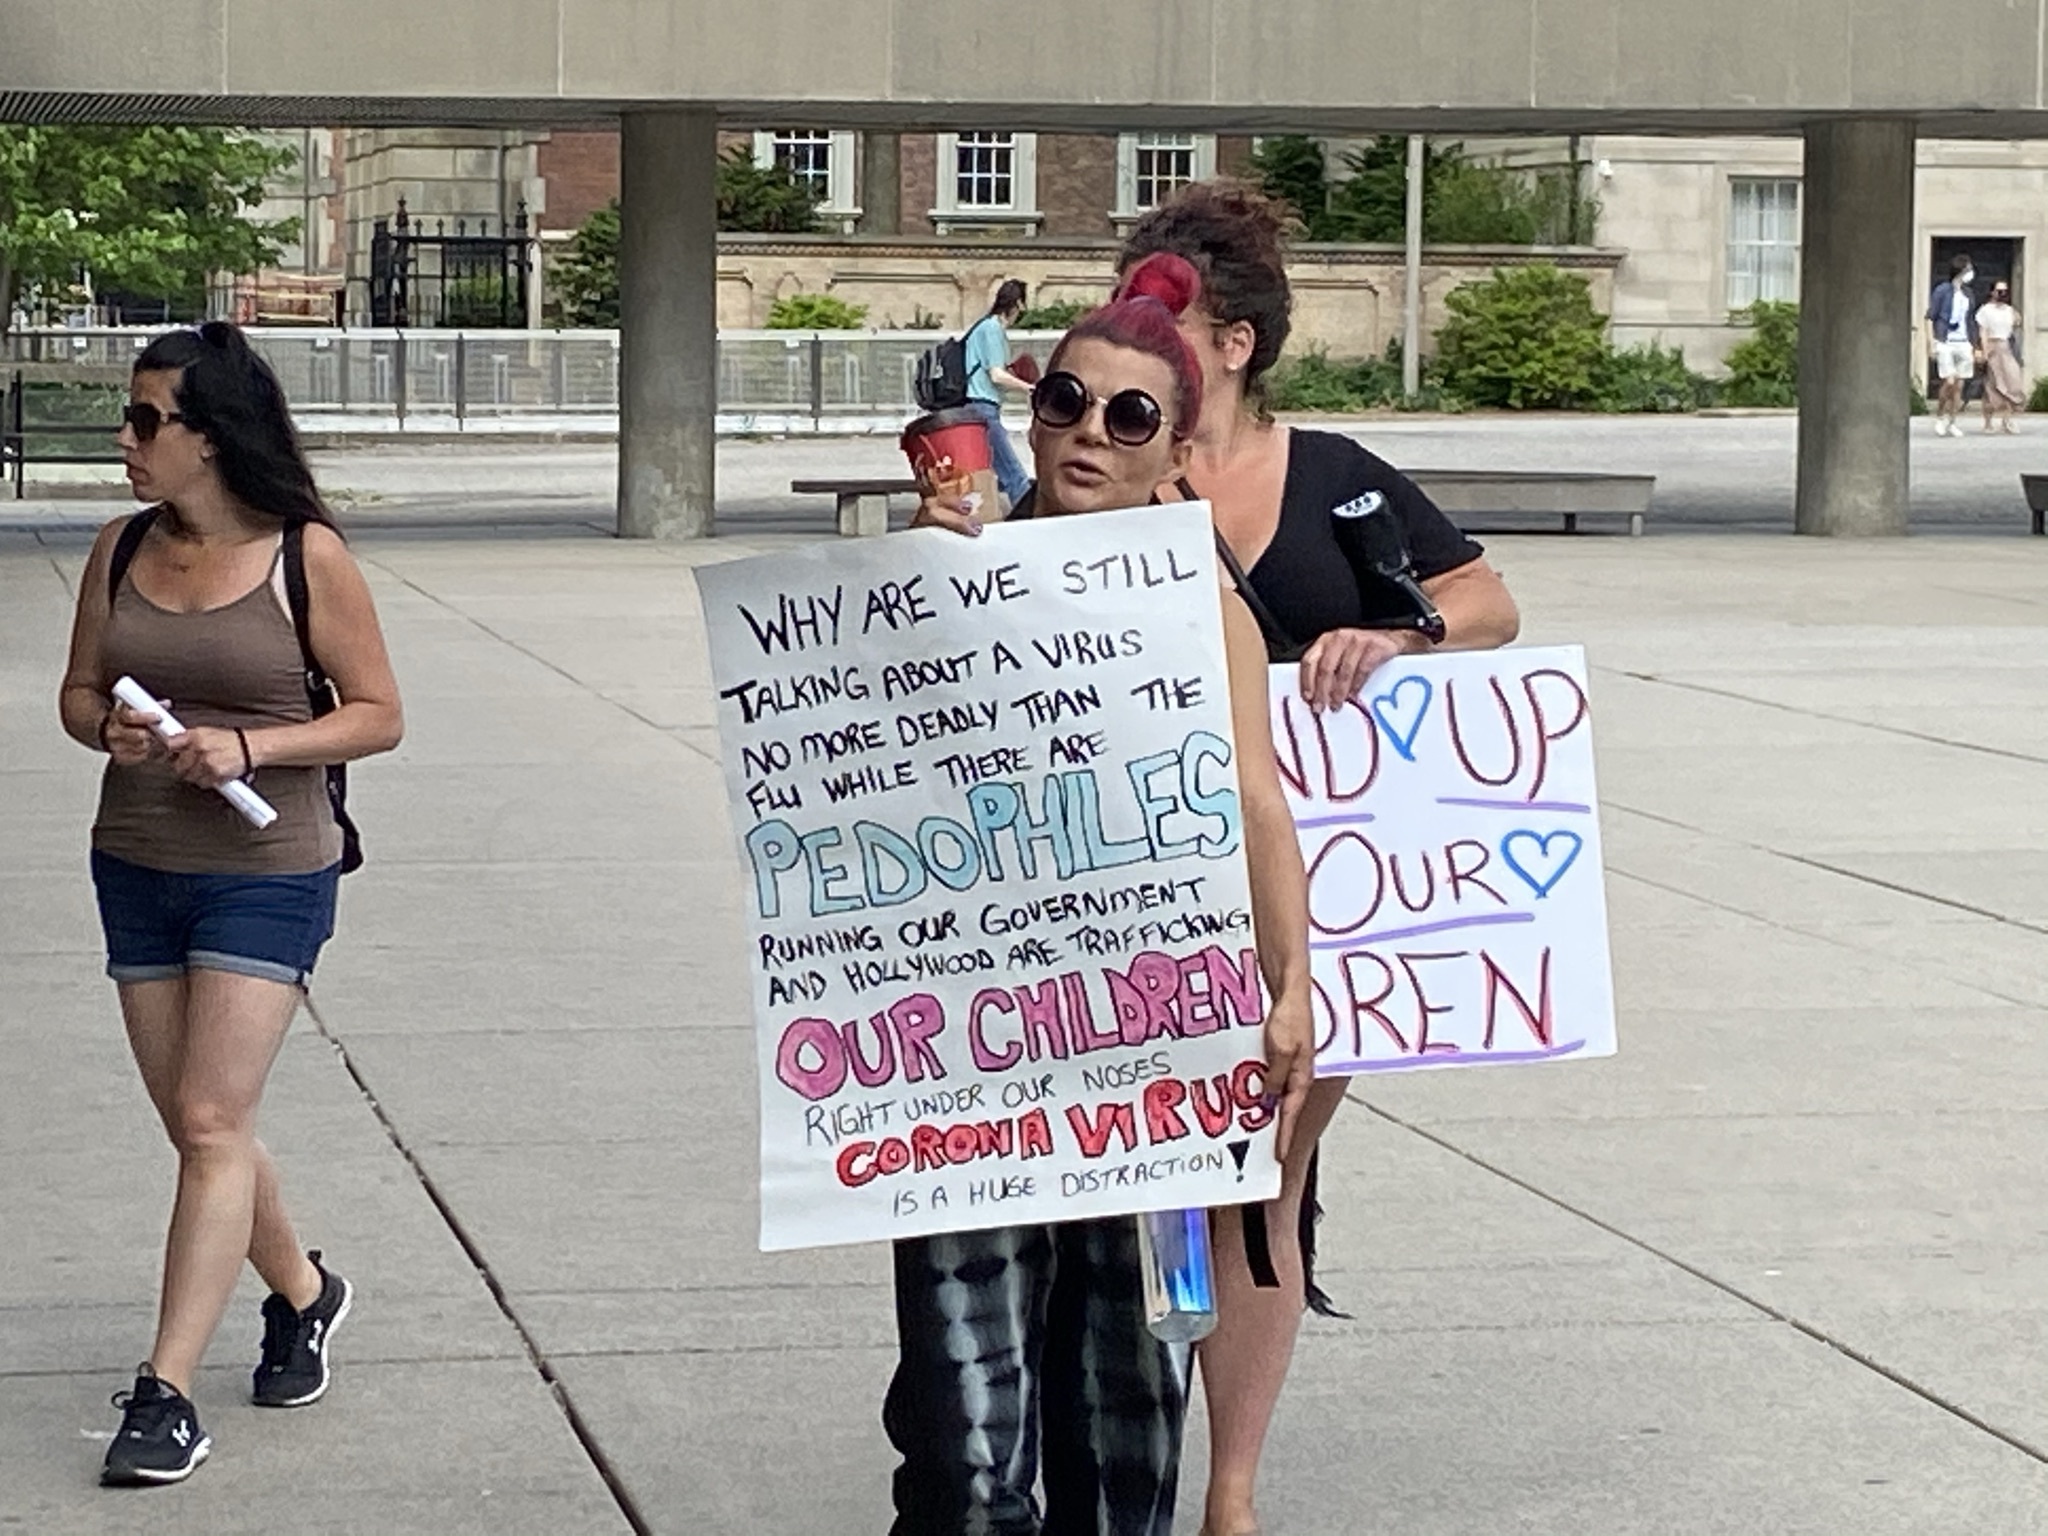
point(1781, 1266)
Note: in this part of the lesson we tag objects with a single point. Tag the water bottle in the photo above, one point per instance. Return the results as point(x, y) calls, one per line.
point(1179, 1275)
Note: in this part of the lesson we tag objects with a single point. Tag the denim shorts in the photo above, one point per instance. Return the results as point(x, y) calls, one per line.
point(159, 924)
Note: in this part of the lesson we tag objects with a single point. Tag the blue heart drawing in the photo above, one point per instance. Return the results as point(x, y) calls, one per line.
point(1544, 868)
point(1401, 721)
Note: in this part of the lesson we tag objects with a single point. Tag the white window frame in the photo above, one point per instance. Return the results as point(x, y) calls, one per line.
point(1128, 207)
point(1731, 244)
point(948, 211)
point(839, 206)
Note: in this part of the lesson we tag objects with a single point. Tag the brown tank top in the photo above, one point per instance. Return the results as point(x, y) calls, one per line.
point(237, 665)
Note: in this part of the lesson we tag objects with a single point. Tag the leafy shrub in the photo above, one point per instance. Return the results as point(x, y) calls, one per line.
point(1056, 316)
point(1763, 368)
point(1651, 378)
point(1527, 338)
point(2038, 400)
point(1316, 382)
point(815, 312)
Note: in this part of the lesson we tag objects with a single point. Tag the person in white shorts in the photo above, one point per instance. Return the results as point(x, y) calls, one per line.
point(1952, 337)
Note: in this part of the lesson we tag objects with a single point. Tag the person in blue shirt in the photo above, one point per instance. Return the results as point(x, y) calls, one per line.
point(1952, 339)
point(988, 374)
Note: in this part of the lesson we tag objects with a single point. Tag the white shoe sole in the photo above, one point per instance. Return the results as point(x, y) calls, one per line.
point(137, 1477)
point(348, 1300)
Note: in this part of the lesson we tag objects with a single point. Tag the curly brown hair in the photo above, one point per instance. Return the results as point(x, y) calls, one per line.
point(1234, 235)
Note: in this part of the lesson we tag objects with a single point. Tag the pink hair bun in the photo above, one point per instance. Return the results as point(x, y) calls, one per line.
point(1170, 279)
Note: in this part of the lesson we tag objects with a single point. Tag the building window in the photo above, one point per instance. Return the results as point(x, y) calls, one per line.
point(822, 160)
point(986, 177)
point(808, 154)
point(1151, 167)
point(1763, 241)
point(985, 170)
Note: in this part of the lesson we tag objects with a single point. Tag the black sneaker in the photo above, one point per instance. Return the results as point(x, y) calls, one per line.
point(293, 1371)
point(159, 1441)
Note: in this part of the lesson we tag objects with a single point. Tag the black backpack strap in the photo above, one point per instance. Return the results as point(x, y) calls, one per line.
point(321, 696)
point(299, 599)
point(124, 550)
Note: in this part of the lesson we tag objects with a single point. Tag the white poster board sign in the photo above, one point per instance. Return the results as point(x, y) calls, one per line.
point(1450, 824)
point(1000, 933)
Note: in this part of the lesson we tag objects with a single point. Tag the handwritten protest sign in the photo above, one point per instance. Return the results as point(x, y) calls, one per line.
point(1448, 818)
point(986, 795)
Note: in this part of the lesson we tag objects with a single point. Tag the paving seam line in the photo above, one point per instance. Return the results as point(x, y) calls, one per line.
point(600, 1462)
point(1851, 720)
point(1727, 1288)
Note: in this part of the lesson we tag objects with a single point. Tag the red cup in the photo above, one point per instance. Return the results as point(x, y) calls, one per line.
point(949, 455)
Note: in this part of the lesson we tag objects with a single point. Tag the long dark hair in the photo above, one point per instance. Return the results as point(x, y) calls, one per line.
point(232, 397)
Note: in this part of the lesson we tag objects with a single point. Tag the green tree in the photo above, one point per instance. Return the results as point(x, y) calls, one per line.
point(1290, 168)
point(154, 211)
point(1463, 201)
point(763, 199)
point(586, 279)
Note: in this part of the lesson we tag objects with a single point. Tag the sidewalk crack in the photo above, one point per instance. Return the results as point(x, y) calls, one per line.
point(600, 1462)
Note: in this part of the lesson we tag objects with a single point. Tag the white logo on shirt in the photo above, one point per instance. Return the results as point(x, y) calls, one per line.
point(1363, 506)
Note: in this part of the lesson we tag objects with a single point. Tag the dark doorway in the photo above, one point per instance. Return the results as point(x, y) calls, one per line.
point(1997, 258)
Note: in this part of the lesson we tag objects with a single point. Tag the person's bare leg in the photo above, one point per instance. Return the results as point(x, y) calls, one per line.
point(233, 1027)
point(1244, 1362)
point(274, 1244)
point(154, 1013)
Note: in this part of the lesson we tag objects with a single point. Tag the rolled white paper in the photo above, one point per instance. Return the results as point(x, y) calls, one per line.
point(258, 811)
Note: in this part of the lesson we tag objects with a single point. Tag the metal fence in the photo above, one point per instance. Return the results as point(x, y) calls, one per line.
point(800, 380)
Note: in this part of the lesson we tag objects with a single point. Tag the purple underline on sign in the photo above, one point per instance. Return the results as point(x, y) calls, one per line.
point(1350, 819)
point(1476, 1058)
point(1360, 940)
point(1517, 805)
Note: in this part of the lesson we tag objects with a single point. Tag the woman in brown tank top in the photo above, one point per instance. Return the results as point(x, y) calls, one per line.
point(213, 926)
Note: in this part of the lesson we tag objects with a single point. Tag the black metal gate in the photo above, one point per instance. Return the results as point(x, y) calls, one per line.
point(437, 280)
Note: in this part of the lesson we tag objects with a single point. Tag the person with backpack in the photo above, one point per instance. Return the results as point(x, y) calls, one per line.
point(987, 359)
point(233, 601)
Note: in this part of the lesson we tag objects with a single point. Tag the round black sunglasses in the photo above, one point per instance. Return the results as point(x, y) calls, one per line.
point(1130, 416)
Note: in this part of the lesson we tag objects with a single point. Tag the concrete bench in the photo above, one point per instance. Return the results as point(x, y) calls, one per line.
point(1569, 494)
point(863, 504)
point(2036, 489)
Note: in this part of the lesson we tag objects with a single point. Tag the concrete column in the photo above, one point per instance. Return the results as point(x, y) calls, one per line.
point(881, 183)
point(1855, 298)
point(668, 321)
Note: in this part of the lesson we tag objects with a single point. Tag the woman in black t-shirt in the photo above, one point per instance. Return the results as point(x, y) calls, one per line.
point(1278, 494)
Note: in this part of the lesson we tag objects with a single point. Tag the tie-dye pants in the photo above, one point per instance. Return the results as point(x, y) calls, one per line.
point(1025, 1349)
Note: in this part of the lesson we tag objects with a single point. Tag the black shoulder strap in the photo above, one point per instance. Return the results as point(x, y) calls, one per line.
point(124, 550)
point(299, 598)
point(1280, 645)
